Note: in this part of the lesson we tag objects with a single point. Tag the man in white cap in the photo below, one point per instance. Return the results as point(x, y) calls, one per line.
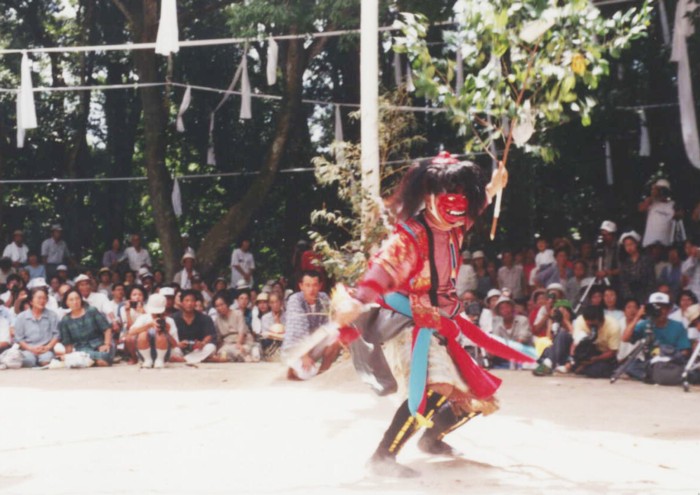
point(486, 317)
point(184, 277)
point(156, 334)
point(668, 334)
point(609, 254)
point(466, 276)
point(17, 250)
point(660, 210)
point(54, 250)
point(96, 299)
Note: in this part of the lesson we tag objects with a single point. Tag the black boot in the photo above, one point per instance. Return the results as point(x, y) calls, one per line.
point(445, 421)
point(402, 428)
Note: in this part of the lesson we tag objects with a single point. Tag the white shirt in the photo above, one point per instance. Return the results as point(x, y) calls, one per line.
point(146, 318)
point(659, 226)
point(245, 261)
point(18, 254)
point(486, 320)
point(137, 259)
point(55, 252)
point(102, 304)
point(466, 279)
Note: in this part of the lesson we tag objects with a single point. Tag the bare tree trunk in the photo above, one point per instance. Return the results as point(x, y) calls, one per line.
point(215, 246)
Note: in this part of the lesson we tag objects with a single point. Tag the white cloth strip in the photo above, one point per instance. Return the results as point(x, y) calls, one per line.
point(26, 118)
point(663, 19)
point(338, 125)
point(246, 110)
point(608, 164)
point(186, 99)
point(644, 142)
point(167, 38)
point(272, 56)
point(176, 199)
point(398, 76)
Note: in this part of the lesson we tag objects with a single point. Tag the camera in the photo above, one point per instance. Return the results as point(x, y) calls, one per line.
point(664, 192)
point(557, 316)
point(161, 324)
point(652, 310)
point(599, 246)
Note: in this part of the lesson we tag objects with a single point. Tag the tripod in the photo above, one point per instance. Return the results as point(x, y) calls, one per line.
point(690, 366)
point(596, 281)
point(643, 346)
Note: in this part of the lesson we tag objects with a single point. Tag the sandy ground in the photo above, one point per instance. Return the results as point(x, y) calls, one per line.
point(241, 428)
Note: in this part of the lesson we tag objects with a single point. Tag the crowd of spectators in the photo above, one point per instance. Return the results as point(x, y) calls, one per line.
point(581, 304)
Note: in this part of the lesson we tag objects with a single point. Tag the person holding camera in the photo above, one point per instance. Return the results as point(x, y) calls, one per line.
point(130, 311)
point(560, 331)
point(671, 346)
point(596, 343)
point(660, 210)
point(156, 334)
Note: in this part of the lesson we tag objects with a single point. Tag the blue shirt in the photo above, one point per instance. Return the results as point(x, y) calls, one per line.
point(672, 334)
point(36, 272)
point(33, 331)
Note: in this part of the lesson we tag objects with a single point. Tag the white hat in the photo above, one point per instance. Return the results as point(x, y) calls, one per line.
point(167, 291)
point(466, 255)
point(663, 183)
point(608, 226)
point(155, 304)
point(263, 296)
point(81, 278)
point(60, 268)
point(659, 298)
point(242, 284)
point(37, 282)
point(478, 254)
point(185, 235)
point(187, 256)
point(504, 299)
point(556, 286)
point(144, 272)
point(632, 235)
point(692, 313)
point(493, 293)
point(56, 226)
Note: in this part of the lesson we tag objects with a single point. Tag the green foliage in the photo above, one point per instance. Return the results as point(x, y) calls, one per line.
point(528, 63)
point(346, 260)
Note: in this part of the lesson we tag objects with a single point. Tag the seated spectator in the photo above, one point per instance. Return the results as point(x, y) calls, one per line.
point(631, 308)
point(183, 278)
point(114, 257)
point(538, 299)
point(201, 288)
point(62, 274)
point(637, 277)
point(484, 282)
point(486, 318)
point(692, 314)
point(575, 284)
point(155, 333)
point(657, 253)
point(560, 331)
point(508, 325)
point(7, 322)
point(596, 343)
point(17, 250)
point(195, 330)
point(85, 329)
point(158, 278)
point(555, 292)
point(610, 304)
point(35, 269)
point(671, 274)
point(220, 284)
point(242, 303)
point(595, 296)
point(466, 276)
point(557, 272)
point(5, 270)
point(147, 280)
point(105, 282)
point(95, 299)
point(169, 294)
point(510, 276)
point(669, 336)
point(129, 278)
point(307, 310)
point(685, 299)
point(262, 306)
point(132, 308)
point(36, 331)
point(273, 323)
point(235, 341)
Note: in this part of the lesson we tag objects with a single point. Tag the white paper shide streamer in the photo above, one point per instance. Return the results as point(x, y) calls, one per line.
point(176, 198)
point(26, 112)
point(211, 155)
point(186, 99)
point(167, 41)
point(644, 142)
point(246, 112)
point(398, 76)
point(679, 53)
point(459, 70)
point(338, 125)
point(410, 87)
point(272, 55)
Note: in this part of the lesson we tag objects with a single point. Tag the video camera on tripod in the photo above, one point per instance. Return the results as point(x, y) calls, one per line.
point(643, 347)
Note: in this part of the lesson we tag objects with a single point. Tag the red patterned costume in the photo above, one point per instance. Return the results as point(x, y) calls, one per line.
point(414, 274)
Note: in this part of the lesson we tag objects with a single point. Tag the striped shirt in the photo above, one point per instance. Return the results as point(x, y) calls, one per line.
point(303, 319)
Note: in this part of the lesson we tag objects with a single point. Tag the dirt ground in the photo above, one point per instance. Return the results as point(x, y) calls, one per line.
point(241, 428)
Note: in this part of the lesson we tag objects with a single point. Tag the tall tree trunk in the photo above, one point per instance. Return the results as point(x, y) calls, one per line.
point(154, 124)
point(215, 246)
